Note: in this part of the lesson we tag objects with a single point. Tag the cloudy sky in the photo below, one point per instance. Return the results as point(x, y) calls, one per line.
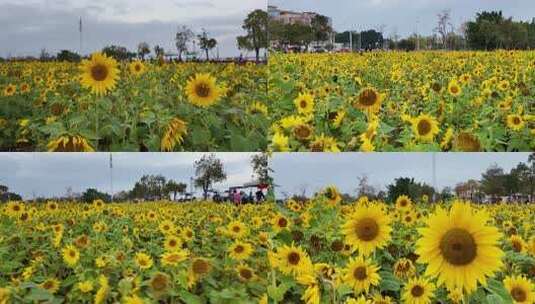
point(405, 16)
point(49, 174)
point(297, 171)
point(30, 25)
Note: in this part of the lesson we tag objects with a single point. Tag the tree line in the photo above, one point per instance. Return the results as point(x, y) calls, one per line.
point(495, 185)
point(255, 39)
point(490, 30)
point(209, 171)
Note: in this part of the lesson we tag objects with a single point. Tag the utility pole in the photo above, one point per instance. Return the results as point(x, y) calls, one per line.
point(111, 176)
point(434, 175)
point(80, 30)
point(351, 40)
point(417, 36)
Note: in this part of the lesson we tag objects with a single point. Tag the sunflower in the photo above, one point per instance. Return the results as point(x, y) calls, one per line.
point(304, 103)
point(425, 127)
point(418, 291)
point(200, 266)
point(70, 143)
point(174, 258)
point(361, 300)
point(459, 247)
point(245, 273)
point(324, 143)
point(403, 202)
point(515, 122)
point(174, 134)
point(303, 132)
point(332, 195)
point(51, 206)
point(279, 142)
point(172, 243)
point(518, 244)
point(368, 100)
point(10, 90)
point(360, 274)
point(133, 299)
point(312, 294)
point(143, 260)
point(51, 285)
point(292, 260)
point(71, 255)
point(136, 68)
point(202, 90)
point(240, 250)
point(454, 88)
point(466, 142)
point(85, 286)
point(100, 73)
point(520, 288)
point(404, 269)
point(367, 228)
point(159, 283)
point(279, 223)
point(257, 108)
point(167, 227)
point(237, 230)
point(24, 88)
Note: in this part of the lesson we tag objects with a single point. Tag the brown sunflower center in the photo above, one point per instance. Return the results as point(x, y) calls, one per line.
point(137, 68)
point(454, 89)
point(99, 72)
point(417, 291)
point(458, 247)
point(239, 249)
point(424, 127)
point(202, 90)
point(236, 229)
point(302, 132)
point(403, 203)
point(246, 273)
point(72, 254)
point(517, 246)
point(303, 103)
point(360, 273)
point(200, 266)
point(368, 97)
point(516, 120)
point(282, 222)
point(172, 243)
point(159, 282)
point(367, 229)
point(294, 258)
point(518, 294)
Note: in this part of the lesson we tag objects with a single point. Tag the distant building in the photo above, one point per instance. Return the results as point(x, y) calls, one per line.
point(291, 17)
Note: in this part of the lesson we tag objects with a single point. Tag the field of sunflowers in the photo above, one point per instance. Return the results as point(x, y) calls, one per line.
point(320, 251)
point(396, 101)
point(105, 105)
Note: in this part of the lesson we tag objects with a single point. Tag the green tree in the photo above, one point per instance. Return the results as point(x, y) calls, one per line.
point(208, 171)
point(143, 49)
point(256, 25)
point(92, 194)
point(120, 53)
point(407, 186)
point(321, 29)
point(159, 51)
point(492, 182)
point(182, 37)
point(206, 43)
point(66, 55)
point(175, 188)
